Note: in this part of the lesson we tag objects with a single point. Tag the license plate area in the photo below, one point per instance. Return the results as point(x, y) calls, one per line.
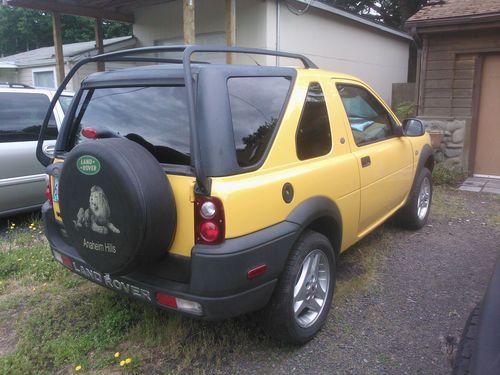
point(104, 279)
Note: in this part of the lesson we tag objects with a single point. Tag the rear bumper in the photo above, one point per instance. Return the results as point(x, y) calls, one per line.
point(214, 276)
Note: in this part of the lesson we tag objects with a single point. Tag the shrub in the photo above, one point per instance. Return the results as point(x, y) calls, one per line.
point(441, 175)
point(405, 110)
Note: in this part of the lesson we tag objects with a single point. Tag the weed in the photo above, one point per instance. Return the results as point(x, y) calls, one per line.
point(442, 175)
point(347, 329)
point(357, 266)
point(384, 359)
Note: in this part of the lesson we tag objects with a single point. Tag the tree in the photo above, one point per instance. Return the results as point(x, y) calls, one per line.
point(25, 29)
point(391, 12)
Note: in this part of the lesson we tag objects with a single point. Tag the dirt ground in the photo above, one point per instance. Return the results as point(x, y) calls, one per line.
point(399, 295)
point(426, 284)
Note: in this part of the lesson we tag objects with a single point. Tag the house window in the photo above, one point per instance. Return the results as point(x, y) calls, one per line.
point(44, 78)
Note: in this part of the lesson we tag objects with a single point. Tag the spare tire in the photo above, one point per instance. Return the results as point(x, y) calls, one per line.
point(116, 204)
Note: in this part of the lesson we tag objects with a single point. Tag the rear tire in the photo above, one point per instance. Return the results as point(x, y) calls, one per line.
point(415, 213)
point(303, 296)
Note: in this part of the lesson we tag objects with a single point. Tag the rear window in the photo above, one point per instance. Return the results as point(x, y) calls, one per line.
point(154, 116)
point(22, 115)
point(256, 105)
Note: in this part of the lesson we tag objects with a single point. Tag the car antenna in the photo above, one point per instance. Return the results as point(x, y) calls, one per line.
point(253, 59)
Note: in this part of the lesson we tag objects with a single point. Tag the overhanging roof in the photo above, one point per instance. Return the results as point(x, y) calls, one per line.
point(456, 13)
point(357, 19)
point(71, 52)
point(117, 10)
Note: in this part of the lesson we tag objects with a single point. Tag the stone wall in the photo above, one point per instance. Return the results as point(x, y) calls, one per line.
point(451, 149)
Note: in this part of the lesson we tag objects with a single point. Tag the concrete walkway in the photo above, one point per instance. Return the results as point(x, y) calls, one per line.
point(481, 184)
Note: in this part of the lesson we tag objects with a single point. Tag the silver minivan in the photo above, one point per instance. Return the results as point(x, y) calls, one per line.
point(22, 177)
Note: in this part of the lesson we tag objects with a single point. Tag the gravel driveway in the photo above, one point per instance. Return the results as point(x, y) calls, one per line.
point(425, 286)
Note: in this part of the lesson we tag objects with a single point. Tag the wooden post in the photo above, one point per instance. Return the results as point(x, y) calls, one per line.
point(99, 42)
point(230, 27)
point(188, 19)
point(422, 75)
point(56, 31)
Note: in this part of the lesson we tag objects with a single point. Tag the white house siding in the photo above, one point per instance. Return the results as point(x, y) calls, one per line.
point(162, 24)
point(332, 42)
point(25, 76)
point(341, 45)
point(164, 21)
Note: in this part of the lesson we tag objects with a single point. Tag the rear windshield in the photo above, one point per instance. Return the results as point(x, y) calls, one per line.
point(154, 116)
point(256, 105)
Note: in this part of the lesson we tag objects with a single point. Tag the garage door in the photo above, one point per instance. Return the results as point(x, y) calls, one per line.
point(487, 160)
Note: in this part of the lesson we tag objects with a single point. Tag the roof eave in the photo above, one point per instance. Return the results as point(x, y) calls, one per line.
point(485, 20)
point(359, 19)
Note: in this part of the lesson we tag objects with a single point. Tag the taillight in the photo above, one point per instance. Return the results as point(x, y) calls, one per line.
point(63, 259)
point(48, 192)
point(89, 133)
point(179, 303)
point(210, 228)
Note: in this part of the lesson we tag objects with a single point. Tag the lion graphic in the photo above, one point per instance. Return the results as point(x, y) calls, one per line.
point(97, 215)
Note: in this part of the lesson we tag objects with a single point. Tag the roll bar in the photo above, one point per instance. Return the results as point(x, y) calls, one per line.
point(202, 181)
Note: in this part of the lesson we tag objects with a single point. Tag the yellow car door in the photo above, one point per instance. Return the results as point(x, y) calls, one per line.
point(385, 160)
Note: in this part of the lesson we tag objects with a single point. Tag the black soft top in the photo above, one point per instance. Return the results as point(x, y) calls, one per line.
point(174, 74)
point(203, 77)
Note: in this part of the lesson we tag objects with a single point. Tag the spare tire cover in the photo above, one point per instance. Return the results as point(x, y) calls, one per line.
point(116, 204)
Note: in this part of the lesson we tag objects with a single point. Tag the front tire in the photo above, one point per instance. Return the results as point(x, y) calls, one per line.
point(415, 213)
point(303, 297)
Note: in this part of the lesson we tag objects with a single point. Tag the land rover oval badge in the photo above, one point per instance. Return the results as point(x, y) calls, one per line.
point(88, 165)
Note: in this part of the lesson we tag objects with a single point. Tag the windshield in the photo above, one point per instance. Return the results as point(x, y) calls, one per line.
point(154, 116)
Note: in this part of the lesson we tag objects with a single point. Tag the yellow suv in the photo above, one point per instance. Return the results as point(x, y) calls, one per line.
point(218, 190)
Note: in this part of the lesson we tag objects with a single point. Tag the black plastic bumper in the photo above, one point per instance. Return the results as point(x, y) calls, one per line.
point(214, 276)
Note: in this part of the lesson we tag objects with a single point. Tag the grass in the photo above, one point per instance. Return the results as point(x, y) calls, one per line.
point(62, 321)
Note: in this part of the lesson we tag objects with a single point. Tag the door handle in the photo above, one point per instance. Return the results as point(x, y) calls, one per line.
point(365, 161)
point(49, 150)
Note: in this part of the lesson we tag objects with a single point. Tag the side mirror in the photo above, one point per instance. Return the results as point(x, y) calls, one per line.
point(413, 127)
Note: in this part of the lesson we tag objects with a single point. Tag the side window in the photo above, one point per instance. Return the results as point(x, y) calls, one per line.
point(21, 117)
point(313, 133)
point(369, 120)
point(256, 104)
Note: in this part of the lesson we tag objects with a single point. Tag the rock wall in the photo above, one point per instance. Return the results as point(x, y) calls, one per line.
point(451, 149)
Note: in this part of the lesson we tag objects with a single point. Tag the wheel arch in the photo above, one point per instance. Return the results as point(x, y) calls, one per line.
point(425, 160)
point(321, 215)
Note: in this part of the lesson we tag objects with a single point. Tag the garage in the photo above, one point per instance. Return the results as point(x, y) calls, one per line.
point(458, 81)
